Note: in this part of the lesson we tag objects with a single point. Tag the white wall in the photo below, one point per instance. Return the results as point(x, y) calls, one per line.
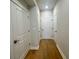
point(35, 30)
point(47, 24)
point(62, 35)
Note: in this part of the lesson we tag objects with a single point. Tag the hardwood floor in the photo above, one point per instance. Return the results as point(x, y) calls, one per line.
point(47, 50)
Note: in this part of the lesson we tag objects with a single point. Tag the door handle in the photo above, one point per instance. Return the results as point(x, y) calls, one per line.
point(15, 41)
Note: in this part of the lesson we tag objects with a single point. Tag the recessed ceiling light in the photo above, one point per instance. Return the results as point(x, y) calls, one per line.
point(46, 6)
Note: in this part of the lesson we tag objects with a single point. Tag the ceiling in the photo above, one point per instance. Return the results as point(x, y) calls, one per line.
point(43, 4)
point(46, 4)
point(30, 3)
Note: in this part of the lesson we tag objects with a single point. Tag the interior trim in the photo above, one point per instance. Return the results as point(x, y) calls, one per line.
point(62, 54)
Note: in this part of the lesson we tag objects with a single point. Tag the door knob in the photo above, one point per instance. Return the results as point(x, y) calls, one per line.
point(15, 41)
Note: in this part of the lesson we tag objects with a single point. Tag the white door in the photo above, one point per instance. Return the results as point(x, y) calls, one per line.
point(20, 26)
point(47, 24)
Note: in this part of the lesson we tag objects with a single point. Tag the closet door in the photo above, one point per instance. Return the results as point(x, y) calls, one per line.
point(20, 24)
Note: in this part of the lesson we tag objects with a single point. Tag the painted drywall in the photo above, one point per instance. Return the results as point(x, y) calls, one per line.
point(35, 33)
point(47, 24)
point(62, 35)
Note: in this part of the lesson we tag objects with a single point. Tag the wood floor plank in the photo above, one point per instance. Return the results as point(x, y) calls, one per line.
point(47, 50)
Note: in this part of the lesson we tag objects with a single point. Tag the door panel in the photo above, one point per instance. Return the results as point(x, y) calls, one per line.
point(20, 22)
point(20, 26)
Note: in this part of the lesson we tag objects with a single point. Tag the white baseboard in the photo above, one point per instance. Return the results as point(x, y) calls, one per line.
point(32, 48)
point(23, 56)
point(35, 48)
point(62, 54)
point(46, 38)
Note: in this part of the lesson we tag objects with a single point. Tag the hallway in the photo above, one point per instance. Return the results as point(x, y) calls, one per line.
point(39, 29)
point(47, 50)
